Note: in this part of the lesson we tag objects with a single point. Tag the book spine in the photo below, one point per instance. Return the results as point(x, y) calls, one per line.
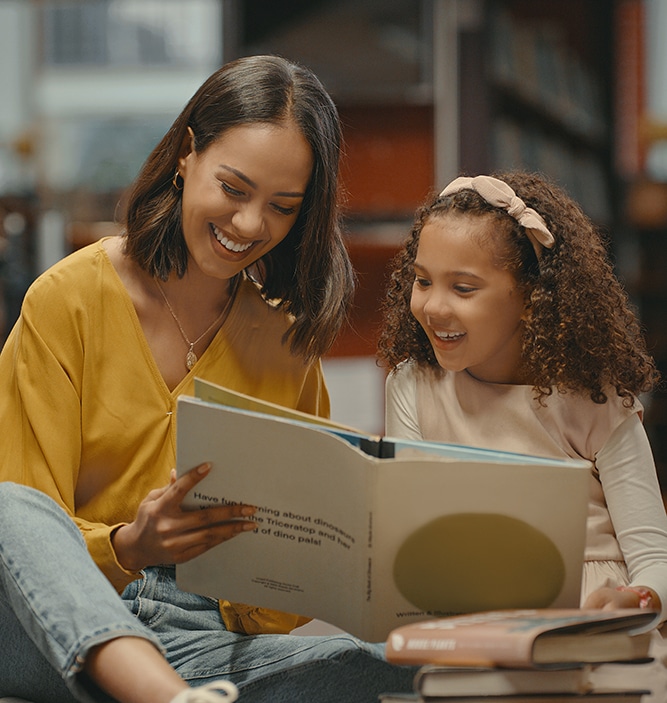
point(387, 449)
point(372, 447)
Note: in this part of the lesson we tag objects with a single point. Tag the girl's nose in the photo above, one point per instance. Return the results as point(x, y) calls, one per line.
point(437, 307)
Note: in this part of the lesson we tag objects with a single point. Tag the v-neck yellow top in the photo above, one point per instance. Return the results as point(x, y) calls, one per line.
point(87, 418)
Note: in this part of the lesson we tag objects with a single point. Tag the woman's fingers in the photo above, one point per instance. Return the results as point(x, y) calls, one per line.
point(162, 532)
point(188, 533)
point(199, 541)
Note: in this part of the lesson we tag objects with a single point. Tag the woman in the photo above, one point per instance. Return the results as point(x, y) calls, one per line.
point(232, 268)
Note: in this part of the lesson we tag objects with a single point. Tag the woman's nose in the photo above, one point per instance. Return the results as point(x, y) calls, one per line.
point(247, 220)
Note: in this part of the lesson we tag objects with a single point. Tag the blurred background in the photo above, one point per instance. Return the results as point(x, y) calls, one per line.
point(426, 89)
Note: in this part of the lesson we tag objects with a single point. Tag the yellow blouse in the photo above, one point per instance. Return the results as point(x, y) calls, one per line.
point(87, 418)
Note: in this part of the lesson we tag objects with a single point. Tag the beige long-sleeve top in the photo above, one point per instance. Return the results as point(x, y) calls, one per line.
point(627, 527)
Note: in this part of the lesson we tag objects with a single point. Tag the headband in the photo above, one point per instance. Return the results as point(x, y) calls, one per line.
point(499, 194)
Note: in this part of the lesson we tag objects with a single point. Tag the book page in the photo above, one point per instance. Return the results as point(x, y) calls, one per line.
point(467, 536)
point(308, 554)
point(213, 393)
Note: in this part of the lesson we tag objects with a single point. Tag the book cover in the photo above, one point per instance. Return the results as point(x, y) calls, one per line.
point(368, 543)
point(526, 638)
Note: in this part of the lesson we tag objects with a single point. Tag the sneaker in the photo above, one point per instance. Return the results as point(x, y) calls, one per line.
point(216, 692)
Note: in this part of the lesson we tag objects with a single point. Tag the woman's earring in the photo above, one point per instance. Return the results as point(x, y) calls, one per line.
point(174, 181)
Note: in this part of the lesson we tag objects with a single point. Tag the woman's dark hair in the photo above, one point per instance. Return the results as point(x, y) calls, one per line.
point(309, 272)
point(581, 333)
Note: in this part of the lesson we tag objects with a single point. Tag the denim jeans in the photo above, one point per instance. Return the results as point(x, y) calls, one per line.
point(55, 604)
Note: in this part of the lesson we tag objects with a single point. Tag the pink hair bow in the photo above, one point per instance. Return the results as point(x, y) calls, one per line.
point(499, 194)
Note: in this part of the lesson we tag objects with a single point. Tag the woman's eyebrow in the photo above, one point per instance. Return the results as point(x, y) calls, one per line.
point(239, 174)
point(252, 184)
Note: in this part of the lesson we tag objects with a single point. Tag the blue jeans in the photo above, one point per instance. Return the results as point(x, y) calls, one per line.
point(55, 604)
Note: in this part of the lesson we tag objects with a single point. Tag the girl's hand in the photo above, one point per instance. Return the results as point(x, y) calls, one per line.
point(611, 598)
point(164, 533)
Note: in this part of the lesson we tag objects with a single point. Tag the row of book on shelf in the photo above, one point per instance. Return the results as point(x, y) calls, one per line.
point(516, 144)
point(535, 60)
point(527, 656)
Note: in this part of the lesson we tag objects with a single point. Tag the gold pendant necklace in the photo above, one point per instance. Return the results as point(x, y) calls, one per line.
point(191, 358)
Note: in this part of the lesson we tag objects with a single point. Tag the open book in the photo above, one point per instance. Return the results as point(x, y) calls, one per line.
point(368, 533)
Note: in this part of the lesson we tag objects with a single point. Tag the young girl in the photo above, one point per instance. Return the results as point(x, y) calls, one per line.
point(232, 267)
point(505, 328)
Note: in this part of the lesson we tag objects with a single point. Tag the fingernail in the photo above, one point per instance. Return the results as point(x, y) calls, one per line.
point(247, 526)
point(248, 510)
point(204, 468)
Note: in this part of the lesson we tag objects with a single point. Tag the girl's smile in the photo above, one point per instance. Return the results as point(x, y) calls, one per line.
point(450, 337)
point(470, 308)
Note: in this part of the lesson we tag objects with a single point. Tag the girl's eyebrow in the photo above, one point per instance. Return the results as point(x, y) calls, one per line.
point(467, 274)
point(253, 185)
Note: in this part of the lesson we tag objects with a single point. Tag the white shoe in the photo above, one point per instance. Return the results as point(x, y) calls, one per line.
point(216, 692)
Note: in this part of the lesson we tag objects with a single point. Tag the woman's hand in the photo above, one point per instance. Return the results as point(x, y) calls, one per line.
point(623, 597)
point(164, 533)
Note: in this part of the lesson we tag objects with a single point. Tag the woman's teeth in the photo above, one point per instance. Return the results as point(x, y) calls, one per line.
point(228, 243)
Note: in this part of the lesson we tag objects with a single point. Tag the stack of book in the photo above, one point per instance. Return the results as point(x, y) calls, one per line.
point(526, 656)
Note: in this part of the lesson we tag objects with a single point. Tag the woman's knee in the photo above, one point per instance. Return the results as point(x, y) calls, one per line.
point(344, 647)
point(25, 508)
point(15, 500)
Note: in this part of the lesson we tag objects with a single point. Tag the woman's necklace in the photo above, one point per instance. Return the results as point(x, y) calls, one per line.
point(191, 357)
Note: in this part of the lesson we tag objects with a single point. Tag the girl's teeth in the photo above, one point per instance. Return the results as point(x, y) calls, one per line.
point(448, 335)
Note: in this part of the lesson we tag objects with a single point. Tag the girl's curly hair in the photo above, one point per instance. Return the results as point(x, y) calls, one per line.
point(581, 333)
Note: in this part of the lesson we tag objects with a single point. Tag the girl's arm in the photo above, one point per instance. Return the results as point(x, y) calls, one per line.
point(634, 499)
point(401, 404)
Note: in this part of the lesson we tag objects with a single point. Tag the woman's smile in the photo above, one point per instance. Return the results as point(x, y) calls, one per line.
point(229, 244)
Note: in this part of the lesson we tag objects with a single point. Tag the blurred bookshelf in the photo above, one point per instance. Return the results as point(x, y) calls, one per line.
point(18, 215)
point(641, 146)
point(646, 250)
point(536, 79)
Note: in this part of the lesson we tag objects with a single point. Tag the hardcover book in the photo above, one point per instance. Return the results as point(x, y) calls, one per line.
point(368, 533)
point(526, 638)
point(432, 681)
point(629, 696)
